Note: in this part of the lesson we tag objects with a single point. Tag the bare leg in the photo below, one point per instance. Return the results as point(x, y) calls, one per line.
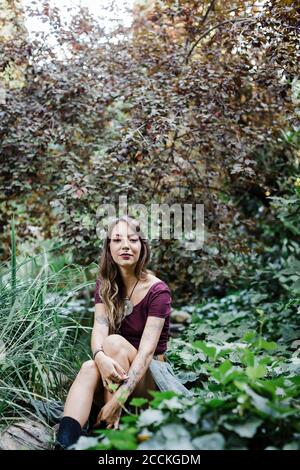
point(80, 397)
point(124, 353)
point(122, 357)
point(88, 380)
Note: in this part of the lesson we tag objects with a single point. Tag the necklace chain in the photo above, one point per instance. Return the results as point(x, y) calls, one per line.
point(128, 305)
point(132, 291)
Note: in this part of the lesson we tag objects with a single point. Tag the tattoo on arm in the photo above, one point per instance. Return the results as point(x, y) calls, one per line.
point(101, 320)
point(143, 358)
point(136, 372)
point(151, 330)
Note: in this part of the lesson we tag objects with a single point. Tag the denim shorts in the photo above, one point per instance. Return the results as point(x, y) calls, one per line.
point(165, 378)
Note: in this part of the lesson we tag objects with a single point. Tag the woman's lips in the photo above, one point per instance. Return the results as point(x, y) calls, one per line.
point(125, 256)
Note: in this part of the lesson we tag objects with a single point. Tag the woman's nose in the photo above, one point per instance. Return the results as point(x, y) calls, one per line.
point(124, 243)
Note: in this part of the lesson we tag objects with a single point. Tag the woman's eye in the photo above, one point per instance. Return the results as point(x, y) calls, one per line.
point(118, 240)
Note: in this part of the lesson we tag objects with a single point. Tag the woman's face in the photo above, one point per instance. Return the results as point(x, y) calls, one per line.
point(125, 241)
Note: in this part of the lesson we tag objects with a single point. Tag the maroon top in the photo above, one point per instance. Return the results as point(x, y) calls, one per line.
point(156, 303)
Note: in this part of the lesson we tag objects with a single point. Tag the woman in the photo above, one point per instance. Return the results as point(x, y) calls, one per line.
point(130, 332)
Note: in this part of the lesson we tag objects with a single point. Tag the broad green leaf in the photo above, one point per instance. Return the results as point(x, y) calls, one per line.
point(192, 415)
point(210, 351)
point(213, 441)
point(266, 345)
point(246, 429)
point(138, 402)
point(256, 372)
point(169, 437)
point(148, 417)
point(249, 336)
point(248, 358)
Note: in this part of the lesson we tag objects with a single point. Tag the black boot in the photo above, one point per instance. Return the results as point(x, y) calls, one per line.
point(68, 433)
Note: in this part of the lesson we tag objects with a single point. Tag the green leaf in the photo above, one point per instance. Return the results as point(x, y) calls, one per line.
point(249, 336)
point(192, 415)
point(256, 372)
point(266, 345)
point(213, 441)
point(248, 358)
point(225, 367)
point(172, 404)
point(215, 403)
point(149, 417)
point(262, 404)
point(138, 402)
point(160, 396)
point(169, 437)
point(296, 286)
point(187, 357)
point(246, 429)
point(225, 373)
point(120, 439)
point(227, 318)
point(129, 419)
point(210, 351)
point(189, 376)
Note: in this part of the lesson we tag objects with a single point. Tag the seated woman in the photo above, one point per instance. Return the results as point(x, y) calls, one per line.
point(131, 328)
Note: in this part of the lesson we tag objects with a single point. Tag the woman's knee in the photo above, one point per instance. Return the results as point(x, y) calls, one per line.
point(117, 347)
point(113, 344)
point(89, 369)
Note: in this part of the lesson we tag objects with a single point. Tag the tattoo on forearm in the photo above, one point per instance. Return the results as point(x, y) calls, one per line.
point(101, 320)
point(141, 361)
point(152, 330)
point(136, 372)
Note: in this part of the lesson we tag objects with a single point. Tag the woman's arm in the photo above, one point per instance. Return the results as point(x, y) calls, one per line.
point(100, 328)
point(109, 368)
point(140, 364)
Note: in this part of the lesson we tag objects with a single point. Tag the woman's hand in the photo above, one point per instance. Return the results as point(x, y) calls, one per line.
point(111, 413)
point(111, 371)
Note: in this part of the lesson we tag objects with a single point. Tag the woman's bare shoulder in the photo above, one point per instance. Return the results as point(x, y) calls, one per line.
point(152, 279)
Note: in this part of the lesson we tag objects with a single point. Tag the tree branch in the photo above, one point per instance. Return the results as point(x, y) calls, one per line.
point(238, 20)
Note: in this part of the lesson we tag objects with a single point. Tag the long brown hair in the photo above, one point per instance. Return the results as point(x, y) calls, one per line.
point(112, 289)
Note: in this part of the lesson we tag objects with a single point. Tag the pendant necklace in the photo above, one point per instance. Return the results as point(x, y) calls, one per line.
point(128, 305)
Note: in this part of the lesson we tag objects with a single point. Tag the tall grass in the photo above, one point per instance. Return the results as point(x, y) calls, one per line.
point(39, 349)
